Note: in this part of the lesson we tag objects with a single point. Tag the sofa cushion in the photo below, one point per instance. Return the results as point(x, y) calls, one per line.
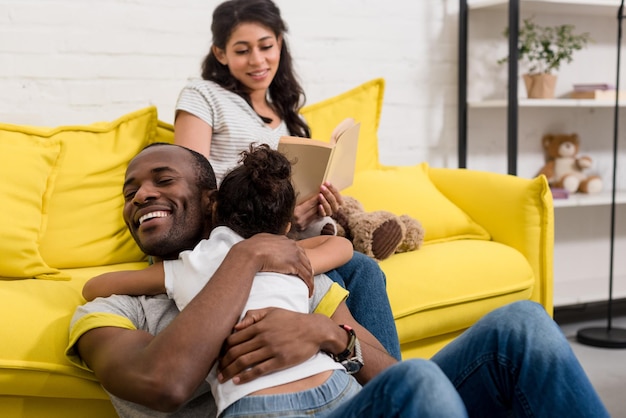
point(409, 190)
point(25, 195)
point(455, 284)
point(36, 315)
point(85, 227)
point(363, 103)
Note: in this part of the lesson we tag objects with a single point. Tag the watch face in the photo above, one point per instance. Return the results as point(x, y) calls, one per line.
point(352, 366)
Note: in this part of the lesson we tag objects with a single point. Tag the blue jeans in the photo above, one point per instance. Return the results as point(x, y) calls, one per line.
point(316, 402)
point(368, 301)
point(411, 389)
point(516, 362)
point(513, 362)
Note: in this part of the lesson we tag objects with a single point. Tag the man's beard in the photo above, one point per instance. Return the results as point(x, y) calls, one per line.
point(180, 237)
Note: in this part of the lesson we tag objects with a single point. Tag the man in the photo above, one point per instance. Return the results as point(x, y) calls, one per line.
point(156, 358)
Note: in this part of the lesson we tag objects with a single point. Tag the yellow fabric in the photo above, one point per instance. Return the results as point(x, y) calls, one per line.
point(165, 132)
point(409, 190)
point(363, 104)
point(33, 407)
point(516, 212)
point(451, 277)
point(331, 300)
point(35, 332)
point(89, 322)
point(28, 167)
point(85, 226)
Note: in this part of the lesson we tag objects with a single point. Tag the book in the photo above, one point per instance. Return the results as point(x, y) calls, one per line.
point(315, 161)
point(593, 86)
point(597, 94)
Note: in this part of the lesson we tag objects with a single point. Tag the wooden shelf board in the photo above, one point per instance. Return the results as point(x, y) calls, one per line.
point(494, 104)
point(572, 7)
point(596, 199)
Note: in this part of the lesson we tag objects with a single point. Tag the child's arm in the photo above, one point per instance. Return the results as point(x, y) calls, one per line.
point(327, 252)
point(149, 281)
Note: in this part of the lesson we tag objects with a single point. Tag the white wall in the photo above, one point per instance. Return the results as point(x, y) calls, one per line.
point(73, 61)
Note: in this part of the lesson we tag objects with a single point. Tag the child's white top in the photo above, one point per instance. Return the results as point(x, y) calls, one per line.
point(187, 275)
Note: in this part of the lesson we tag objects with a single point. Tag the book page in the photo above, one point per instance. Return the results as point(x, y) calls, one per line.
point(343, 159)
point(343, 126)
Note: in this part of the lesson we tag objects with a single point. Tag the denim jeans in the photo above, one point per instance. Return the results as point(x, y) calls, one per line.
point(411, 389)
point(368, 301)
point(516, 362)
point(513, 362)
point(316, 402)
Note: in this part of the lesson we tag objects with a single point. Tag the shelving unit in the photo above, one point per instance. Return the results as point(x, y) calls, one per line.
point(548, 103)
point(513, 103)
point(599, 199)
point(572, 7)
point(580, 219)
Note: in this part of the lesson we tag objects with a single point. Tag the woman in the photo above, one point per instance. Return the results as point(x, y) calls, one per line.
point(249, 94)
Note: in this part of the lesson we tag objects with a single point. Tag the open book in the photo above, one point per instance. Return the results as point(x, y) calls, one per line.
point(314, 161)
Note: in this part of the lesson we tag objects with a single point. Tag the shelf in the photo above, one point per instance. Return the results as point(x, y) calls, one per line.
point(495, 104)
point(596, 199)
point(571, 7)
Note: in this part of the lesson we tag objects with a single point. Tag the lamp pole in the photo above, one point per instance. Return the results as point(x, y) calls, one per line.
point(610, 337)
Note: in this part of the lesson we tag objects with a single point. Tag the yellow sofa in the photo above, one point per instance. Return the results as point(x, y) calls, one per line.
point(489, 241)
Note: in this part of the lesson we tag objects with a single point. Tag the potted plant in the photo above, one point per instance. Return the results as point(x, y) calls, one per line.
point(543, 49)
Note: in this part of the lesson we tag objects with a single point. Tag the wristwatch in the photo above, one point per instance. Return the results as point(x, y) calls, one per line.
point(352, 363)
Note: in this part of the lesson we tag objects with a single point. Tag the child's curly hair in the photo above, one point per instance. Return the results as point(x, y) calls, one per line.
point(257, 195)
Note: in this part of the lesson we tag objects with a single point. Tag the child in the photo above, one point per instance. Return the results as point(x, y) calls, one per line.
point(255, 197)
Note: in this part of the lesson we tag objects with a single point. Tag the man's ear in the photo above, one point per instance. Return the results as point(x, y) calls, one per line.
point(214, 212)
point(208, 206)
point(220, 54)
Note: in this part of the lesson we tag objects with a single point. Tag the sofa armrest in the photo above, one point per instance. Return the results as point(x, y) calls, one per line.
point(517, 212)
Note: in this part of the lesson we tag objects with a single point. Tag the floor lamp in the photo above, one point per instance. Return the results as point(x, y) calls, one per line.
point(610, 337)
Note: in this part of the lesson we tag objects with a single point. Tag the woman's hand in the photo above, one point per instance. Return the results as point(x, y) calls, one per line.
point(271, 339)
point(330, 200)
point(326, 203)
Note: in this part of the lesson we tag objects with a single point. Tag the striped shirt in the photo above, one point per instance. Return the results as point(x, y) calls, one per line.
point(235, 123)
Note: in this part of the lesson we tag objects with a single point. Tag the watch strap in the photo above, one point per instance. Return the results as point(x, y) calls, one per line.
point(347, 353)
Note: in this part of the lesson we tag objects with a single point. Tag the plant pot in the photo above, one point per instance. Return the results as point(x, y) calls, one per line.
point(540, 86)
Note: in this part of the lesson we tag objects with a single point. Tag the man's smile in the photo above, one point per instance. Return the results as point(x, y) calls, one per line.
point(152, 215)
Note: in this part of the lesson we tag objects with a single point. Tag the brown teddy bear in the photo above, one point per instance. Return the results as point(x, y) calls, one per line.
point(564, 168)
point(377, 234)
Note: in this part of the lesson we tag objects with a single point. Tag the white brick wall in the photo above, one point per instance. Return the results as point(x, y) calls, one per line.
point(72, 61)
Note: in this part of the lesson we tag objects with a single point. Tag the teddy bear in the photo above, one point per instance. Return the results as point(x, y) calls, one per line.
point(377, 234)
point(564, 168)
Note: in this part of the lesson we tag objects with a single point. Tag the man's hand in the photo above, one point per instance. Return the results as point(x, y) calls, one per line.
point(268, 340)
point(278, 254)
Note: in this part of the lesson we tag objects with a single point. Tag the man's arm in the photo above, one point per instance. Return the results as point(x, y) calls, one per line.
point(375, 357)
point(163, 371)
point(273, 339)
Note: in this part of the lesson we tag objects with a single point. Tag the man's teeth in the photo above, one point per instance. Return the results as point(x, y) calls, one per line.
point(157, 214)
